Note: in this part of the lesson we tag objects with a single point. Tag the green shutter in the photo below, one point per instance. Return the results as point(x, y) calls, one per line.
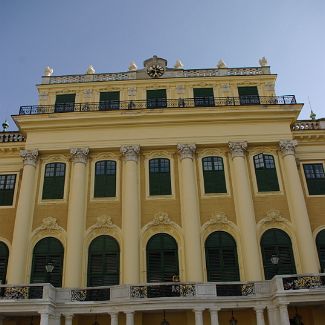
point(214, 177)
point(162, 258)
point(7, 189)
point(266, 176)
point(221, 257)
point(65, 103)
point(156, 98)
point(109, 100)
point(105, 179)
point(277, 242)
point(103, 262)
point(159, 177)
point(248, 95)
point(320, 243)
point(53, 186)
point(4, 254)
point(47, 250)
point(203, 97)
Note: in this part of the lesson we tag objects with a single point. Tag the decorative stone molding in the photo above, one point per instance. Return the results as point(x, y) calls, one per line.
point(186, 151)
point(88, 93)
point(30, 157)
point(103, 222)
point(218, 218)
point(133, 66)
point(48, 71)
point(179, 64)
point(79, 155)
point(237, 149)
point(273, 216)
point(180, 89)
point(132, 91)
point(287, 147)
point(161, 218)
point(130, 152)
point(263, 62)
point(90, 70)
point(48, 227)
point(50, 223)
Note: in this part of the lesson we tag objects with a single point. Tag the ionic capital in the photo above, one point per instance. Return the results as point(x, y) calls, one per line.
point(79, 155)
point(186, 151)
point(130, 152)
point(30, 157)
point(287, 147)
point(237, 149)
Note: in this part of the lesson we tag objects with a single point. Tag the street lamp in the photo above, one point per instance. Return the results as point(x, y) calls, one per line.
point(275, 261)
point(297, 319)
point(164, 322)
point(233, 320)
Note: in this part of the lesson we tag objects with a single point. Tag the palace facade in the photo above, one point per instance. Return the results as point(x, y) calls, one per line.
point(162, 195)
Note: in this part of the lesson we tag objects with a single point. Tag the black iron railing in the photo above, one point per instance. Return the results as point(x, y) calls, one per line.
point(21, 292)
point(304, 282)
point(236, 289)
point(161, 103)
point(91, 294)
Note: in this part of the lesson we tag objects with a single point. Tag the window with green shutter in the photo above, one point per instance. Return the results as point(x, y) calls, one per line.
point(248, 95)
point(221, 257)
point(214, 175)
point(7, 189)
point(105, 179)
point(103, 262)
point(53, 186)
point(109, 100)
point(203, 97)
point(320, 243)
point(276, 242)
point(162, 258)
point(159, 177)
point(65, 103)
point(315, 178)
point(47, 250)
point(4, 254)
point(156, 98)
point(265, 171)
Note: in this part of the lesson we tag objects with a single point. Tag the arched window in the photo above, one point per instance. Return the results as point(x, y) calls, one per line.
point(276, 243)
point(320, 243)
point(4, 254)
point(47, 250)
point(221, 257)
point(214, 175)
point(162, 258)
point(53, 186)
point(265, 171)
point(103, 262)
point(159, 176)
point(105, 178)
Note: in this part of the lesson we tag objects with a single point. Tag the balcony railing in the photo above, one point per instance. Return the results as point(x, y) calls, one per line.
point(160, 103)
point(91, 294)
point(21, 292)
point(303, 282)
point(9, 136)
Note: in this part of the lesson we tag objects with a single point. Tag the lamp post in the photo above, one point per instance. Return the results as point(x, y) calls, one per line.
point(164, 322)
point(297, 319)
point(275, 262)
point(49, 267)
point(233, 320)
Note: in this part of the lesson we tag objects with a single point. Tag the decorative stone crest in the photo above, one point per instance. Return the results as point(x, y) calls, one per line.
point(218, 218)
point(48, 71)
point(130, 152)
point(179, 64)
point(180, 89)
point(50, 224)
point(29, 157)
point(273, 216)
point(221, 64)
point(88, 93)
point(133, 66)
point(186, 151)
point(237, 149)
point(132, 91)
point(79, 155)
point(287, 147)
point(263, 62)
point(161, 218)
point(103, 222)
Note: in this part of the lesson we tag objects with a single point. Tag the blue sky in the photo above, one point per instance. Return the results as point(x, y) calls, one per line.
point(69, 35)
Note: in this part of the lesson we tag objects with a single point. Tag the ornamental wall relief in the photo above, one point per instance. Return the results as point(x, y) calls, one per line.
point(274, 219)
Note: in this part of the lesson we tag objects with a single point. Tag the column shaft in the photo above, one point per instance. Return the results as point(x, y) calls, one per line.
point(245, 213)
point(131, 215)
point(198, 317)
point(272, 315)
point(284, 316)
point(76, 219)
point(44, 319)
point(214, 316)
point(130, 318)
point(299, 213)
point(68, 319)
point(190, 214)
point(23, 222)
point(259, 316)
point(114, 318)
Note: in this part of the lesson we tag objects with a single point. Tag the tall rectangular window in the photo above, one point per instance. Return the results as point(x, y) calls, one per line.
point(65, 103)
point(203, 97)
point(214, 175)
point(7, 189)
point(53, 186)
point(248, 95)
point(105, 178)
point(159, 176)
point(109, 100)
point(156, 98)
point(315, 178)
point(265, 171)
